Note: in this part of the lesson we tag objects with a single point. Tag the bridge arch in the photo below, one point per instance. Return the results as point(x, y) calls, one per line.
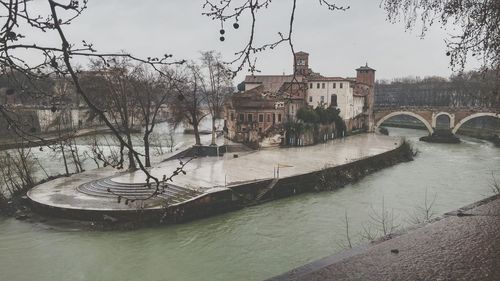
point(408, 113)
point(451, 119)
point(475, 115)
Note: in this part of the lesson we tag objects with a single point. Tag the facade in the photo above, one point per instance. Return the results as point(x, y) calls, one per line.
point(268, 101)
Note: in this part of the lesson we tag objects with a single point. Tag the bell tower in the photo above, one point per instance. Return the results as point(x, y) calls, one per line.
point(301, 64)
point(366, 76)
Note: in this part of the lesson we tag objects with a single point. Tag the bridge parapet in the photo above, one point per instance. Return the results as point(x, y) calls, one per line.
point(437, 109)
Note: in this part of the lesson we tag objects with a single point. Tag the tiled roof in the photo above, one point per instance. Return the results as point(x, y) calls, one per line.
point(271, 83)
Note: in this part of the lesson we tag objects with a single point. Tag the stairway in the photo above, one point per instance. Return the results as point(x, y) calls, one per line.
point(265, 190)
point(136, 191)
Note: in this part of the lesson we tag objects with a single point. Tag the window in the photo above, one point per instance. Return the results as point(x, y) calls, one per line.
point(322, 85)
point(232, 116)
point(279, 117)
point(261, 117)
point(322, 99)
point(242, 117)
point(334, 85)
point(268, 117)
point(310, 99)
point(341, 85)
point(317, 85)
point(333, 100)
point(249, 117)
point(310, 85)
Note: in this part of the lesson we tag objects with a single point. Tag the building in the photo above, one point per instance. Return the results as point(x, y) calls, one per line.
point(268, 101)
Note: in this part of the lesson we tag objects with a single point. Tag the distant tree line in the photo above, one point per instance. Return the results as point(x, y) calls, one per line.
point(468, 89)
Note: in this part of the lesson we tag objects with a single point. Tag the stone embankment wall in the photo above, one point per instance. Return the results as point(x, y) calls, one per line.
point(331, 178)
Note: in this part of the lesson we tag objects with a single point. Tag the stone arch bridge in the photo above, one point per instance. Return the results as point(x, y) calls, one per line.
point(428, 115)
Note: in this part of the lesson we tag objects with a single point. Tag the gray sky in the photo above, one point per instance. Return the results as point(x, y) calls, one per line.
point(338, 42)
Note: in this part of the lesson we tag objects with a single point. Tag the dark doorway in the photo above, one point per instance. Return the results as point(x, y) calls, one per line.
point(333, 100)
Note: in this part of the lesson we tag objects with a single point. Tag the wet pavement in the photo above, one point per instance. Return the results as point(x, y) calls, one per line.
point(463, 245)
point(210, 174)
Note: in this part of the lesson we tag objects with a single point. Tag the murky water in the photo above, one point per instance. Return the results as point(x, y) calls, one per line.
point(257, 242)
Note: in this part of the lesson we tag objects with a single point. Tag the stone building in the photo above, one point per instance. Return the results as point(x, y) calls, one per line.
point(267, 102)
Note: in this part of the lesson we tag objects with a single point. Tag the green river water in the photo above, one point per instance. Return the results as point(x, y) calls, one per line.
point(257, 242)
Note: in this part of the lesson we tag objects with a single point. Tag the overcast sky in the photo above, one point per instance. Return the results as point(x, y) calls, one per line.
point(338, 42)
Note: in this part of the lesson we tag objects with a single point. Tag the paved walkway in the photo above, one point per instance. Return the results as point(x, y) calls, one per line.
point(460, 246)
point(209, 174)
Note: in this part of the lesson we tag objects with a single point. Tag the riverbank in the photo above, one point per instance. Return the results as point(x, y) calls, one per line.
point(460, 245)
point(219, 184)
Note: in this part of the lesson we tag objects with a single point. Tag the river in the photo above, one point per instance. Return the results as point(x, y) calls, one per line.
point(256, 242)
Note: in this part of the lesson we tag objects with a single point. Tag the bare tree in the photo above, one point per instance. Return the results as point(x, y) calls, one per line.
point(187, 105)
point(219, 88)
point(424, 213)
point(384, 221)
point(21, 15)
point(348, 236)
point(112, 91)
point(151, 93)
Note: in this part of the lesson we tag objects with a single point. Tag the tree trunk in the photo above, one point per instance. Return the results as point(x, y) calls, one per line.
point(196, 133)
point(64, 158)
point(213, 131)
point(147, 159)
point(131, 160)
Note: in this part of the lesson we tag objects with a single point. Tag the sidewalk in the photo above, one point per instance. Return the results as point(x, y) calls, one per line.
point(463, 245)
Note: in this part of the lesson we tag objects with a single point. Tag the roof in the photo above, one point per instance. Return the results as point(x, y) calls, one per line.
point(323, 78)
point(294, 91)
point(366, 67)
point(255, 98)
point(271, 83)
point(301, 53)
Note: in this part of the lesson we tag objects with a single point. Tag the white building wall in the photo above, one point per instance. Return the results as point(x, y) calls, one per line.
point(345, 101)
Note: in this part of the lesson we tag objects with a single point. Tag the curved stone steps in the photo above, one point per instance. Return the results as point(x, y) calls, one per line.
point(173, 194)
